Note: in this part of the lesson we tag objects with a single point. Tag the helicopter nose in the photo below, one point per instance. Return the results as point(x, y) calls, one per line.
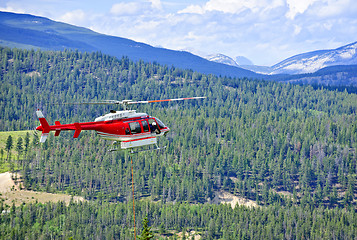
point(39, 128)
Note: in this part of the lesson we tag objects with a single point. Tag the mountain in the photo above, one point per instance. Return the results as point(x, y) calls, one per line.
point(220, 58)
point(28, 31)
point(240, 61)
point(313, 61)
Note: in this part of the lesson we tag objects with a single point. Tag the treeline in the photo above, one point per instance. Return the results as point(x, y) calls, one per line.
point(99, 220)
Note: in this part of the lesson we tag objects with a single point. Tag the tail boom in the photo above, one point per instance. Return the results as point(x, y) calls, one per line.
point(58, 127)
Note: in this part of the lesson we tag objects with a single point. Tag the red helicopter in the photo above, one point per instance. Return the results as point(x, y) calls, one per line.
point(127, 128)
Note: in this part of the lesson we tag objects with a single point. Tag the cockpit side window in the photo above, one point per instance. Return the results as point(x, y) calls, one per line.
point(153, 124)
point(151, 120)
point(135, 127)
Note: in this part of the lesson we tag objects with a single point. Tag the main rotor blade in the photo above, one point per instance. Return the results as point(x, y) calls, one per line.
point(104, 102)
point(129, 102)
point(165, 100)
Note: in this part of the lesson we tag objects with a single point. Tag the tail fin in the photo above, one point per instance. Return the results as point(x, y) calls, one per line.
point(77, 131)
point(57, 123)
point(45, 127)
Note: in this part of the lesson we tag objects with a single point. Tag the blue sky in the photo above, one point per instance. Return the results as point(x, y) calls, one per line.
point(265, 31)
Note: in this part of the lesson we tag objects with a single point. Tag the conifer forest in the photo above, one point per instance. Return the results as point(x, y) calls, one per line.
point(289, 148)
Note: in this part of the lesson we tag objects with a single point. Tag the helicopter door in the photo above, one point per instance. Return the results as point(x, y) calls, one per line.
point(135, 127)
point(145, 126)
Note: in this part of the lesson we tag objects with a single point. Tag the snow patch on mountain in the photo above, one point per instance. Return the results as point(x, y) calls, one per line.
point(220, 58)
point(307, 65)
point(349, 53)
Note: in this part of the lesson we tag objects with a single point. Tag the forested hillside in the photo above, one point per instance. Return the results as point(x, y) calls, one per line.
point(291, 148)
point(343, 76)
point(29, 31)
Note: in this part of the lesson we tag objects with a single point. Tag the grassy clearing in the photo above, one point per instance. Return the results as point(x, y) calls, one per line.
point(4, 165)
point(11, 191)
point(24, 196)
point(15, 135)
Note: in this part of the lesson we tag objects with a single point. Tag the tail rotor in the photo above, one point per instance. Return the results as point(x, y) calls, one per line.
point(44, 127)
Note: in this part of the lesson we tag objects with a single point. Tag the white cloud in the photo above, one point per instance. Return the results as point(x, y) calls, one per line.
point(330, 8)
point(12, 9)
point(135, 8)
point(233, 6)
point(229, 6)
point(131, 8)
point(193, 9)
point(76, 17)
point(298, 7)
point(297, 29)
point(156, 4)
point(320, 8)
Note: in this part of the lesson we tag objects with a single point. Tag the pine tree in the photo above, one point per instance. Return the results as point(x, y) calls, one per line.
point(146, 234)
point(19, 146)
point(1, 154)
point(8, 146)
point(27, 142)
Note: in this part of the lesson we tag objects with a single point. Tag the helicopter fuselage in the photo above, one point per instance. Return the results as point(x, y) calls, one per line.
point(129, 128)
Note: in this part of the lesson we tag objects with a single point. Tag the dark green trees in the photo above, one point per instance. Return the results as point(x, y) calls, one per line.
point(146, 233)
point(8, 146)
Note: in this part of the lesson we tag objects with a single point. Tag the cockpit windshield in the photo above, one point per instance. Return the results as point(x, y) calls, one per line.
point(161, 125)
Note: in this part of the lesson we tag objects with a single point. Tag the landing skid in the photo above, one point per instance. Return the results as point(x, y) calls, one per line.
point(143, 150)
point(147, 150)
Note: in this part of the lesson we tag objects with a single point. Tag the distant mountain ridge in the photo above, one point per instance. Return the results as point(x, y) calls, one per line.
point(300, 64)
point(313, 61)
point(28, 31)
